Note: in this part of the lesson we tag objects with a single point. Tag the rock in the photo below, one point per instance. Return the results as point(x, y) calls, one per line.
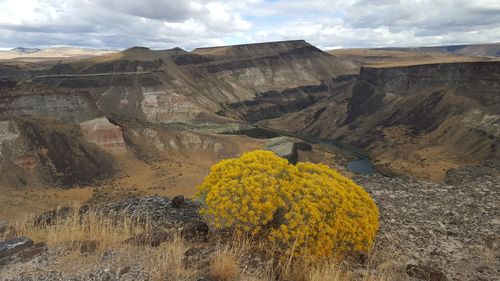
point(107, 256)
point(4, 225)
point(124, 270)
point(256, 261)
point(14, 246)
point(151, 239)
point(286, 150)
point(84, 209)
point(178, 201)
point(105, 134)
point(425, 273)
point(30, 253)
point(154, 209)
point(287, 147)
point(88, 246)
point(197, 256)
point(195, 229)
point(20, 248)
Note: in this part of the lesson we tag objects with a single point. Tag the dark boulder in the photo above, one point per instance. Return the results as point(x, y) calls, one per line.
point(30, 253)
point(425, 273)
point(151, 239)
point(195, 230)
point(20, 249)
point(178, 201)
point(14, 246)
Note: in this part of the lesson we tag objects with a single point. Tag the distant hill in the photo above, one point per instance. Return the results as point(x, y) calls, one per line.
point(23, 50)
point(388, 57)
point(34, 54)
point(488, 50)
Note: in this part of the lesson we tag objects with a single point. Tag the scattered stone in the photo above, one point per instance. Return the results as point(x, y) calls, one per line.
point(124, 270)
point(108, 255)
point(449, 211)
point(178, 201)
point(256, 261)
point(151, 239)
point(425, 273)
point(197, 256)
point(156, 210)
point(195, 229)
point(30, 253)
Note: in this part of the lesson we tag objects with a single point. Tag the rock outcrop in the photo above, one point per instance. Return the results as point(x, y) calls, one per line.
point(104, 134)
point(420, 120)
point(34, 152)
point(269, 79)
point(287, 147)
point(19, 249)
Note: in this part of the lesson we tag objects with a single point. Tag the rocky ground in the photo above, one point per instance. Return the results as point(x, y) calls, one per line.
point(448, 228)
point(428, 231)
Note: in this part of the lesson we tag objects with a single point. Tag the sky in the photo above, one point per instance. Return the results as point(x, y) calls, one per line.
point(163, 24)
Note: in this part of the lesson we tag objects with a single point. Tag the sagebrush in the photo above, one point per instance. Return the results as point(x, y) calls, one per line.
point(305, 208)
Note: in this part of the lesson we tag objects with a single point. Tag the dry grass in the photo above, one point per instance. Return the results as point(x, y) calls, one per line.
point(487, 256)
point(166, 261)
point(301, 270)
point(328, 271)
point(224, 265)
point(110, 234)
point(76, 228)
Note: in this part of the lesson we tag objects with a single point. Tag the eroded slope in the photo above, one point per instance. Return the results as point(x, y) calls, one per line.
point(419, 120)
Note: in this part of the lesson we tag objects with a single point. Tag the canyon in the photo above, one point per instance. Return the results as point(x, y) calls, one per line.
point(414, 124)
point(416, 112)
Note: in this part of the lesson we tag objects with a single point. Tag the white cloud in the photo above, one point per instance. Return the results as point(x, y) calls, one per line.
point(193, 23)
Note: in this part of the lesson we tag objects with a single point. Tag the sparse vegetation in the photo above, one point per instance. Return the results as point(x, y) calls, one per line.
point(307, 209)
point(224, 265)
point(75, 228)
point(167, 261)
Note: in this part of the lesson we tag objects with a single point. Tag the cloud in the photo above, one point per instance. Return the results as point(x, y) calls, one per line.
point(120, 24)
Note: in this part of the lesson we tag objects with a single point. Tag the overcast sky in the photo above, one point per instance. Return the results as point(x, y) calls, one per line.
point(161, 24)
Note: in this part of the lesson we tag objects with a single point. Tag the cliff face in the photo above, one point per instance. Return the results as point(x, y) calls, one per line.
point(255, 81)
point(36, 152)
point(71, 107)
point(420, 120)
point(248, 82)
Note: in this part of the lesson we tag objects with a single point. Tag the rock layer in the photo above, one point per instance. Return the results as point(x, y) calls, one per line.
point(420, 120)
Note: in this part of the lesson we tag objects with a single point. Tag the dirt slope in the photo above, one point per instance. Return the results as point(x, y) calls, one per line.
point(420, 120)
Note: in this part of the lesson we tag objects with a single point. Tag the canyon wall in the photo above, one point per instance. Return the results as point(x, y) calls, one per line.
point(434, 117)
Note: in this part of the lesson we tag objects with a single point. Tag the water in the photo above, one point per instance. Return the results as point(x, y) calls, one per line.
point(362, 166)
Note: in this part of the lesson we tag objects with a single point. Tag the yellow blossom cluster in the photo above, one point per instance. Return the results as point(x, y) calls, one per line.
point(305, 208)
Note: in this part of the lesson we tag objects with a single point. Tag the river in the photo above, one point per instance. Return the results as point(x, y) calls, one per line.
point(361, 165)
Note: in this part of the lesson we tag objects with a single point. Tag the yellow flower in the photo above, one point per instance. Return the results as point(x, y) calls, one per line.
point(322, 213)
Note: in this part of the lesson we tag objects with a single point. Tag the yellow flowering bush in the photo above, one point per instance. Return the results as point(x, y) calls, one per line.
point(307, 208)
